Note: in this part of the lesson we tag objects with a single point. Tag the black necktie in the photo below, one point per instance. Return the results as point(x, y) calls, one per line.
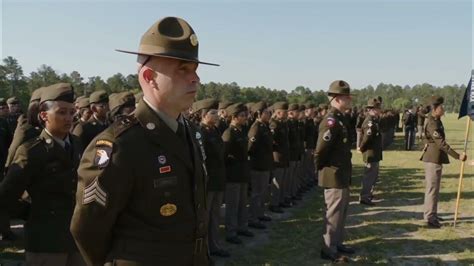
point(181, 132)
point(67, 146)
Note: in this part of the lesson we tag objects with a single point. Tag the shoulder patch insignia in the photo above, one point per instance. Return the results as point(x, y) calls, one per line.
point(103, 142)
point(369, 132)
point(369, 124)
point(253, 139)
point(327, 135)
point(95, 193)
point(435, 134)
point(102, 156)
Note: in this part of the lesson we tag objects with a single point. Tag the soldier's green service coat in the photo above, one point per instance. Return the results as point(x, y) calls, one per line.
point(43, 168)
point(215, 164)
point(371, 140)
point(260, 147)
point(333, 151)
point(281, 146)
point(87, 131)
point(23, 132)
point(310, 133)
point(141, 194)
point(436, 148)
point(236, 155)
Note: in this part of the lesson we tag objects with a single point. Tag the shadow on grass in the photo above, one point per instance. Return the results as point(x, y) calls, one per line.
point(419, 247)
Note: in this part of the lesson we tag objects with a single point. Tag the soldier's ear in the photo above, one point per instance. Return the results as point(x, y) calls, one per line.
point(43, 116)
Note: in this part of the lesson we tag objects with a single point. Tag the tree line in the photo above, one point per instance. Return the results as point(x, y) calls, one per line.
point(14, 82)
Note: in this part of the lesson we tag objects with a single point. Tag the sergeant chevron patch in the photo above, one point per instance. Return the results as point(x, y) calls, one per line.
point(94, 192)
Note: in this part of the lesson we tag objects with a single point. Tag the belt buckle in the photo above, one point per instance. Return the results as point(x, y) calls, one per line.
point(198, 245)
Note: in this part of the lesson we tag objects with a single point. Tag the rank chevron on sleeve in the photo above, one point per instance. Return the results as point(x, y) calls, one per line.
point(94, 192)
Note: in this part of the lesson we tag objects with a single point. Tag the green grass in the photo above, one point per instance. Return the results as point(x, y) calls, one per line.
point(392, 232)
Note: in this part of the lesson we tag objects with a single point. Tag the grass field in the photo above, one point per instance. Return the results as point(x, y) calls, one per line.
point(392, 232)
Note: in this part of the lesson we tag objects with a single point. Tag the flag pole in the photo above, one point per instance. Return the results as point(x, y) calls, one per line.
point(461, 174)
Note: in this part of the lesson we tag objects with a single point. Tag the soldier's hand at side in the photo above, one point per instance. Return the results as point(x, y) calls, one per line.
point(463, 157)
point(358, 150)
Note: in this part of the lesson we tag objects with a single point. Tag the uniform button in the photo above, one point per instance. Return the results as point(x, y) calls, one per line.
point(201, 226)
point(199, 205)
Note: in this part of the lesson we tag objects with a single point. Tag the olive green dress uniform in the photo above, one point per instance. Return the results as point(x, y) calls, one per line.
point(311, 134)
point(420, 121)
point(81, 104)
point(12, 118)
point(141, 196)
point(261, 163)
point(6, 136)
point(237, 175)
point(435, 154)
point(300, 172)
point(294, 138)
point(333, 161)
point(24, 131)
point(281, 153)
point(371, 148)
point(46, 168)
point(223, 122)
point(87, 131)
point(215, 165)
point(360, 120)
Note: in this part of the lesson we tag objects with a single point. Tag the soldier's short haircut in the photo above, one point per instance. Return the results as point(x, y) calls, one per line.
point(46, 106)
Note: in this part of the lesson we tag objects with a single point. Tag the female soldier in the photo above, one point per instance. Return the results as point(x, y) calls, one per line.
point(45, 167)
point(214, 150)
point(237, 174)
point(435, 154)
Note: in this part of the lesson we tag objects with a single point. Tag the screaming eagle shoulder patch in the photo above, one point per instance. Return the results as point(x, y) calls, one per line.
point(103, 153)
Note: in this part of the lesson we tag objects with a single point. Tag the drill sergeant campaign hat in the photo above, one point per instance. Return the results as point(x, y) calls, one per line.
point(339, 87)
point(170, 37)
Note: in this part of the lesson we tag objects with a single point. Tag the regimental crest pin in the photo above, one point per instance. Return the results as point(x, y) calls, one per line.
point(162, 159)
